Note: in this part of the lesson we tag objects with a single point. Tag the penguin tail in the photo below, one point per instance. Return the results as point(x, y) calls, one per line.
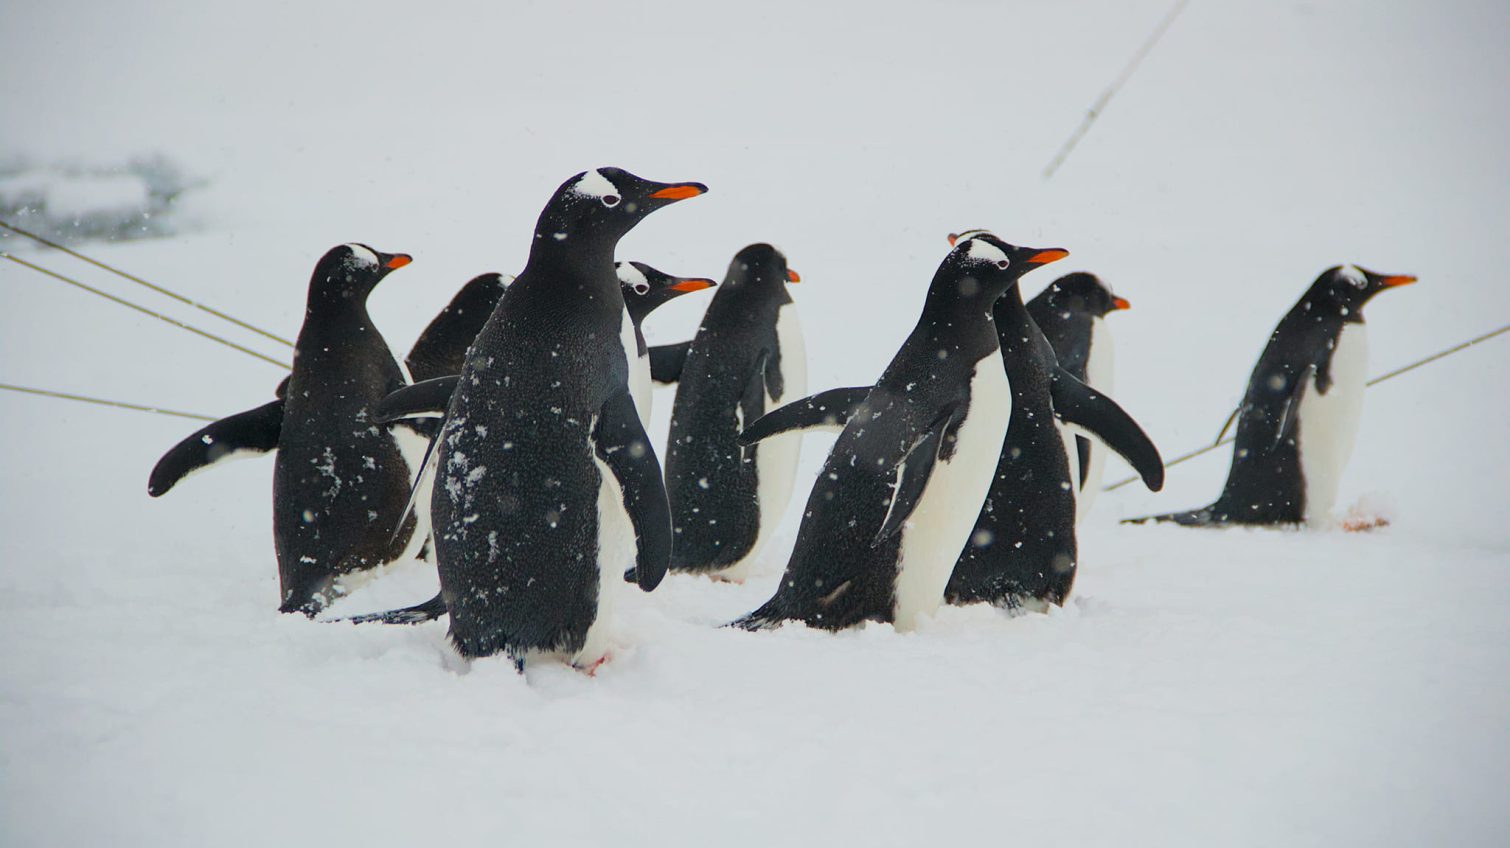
point(1206, 517)
point(417, 614)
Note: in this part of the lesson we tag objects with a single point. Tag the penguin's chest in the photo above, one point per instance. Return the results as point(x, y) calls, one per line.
point(639, 367)
point(1328, 423)
point(934, 535)
point(776, 459)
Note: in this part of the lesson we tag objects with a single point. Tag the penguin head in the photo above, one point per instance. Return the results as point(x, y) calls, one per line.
point(351, 271)
point(1347, 288)
point(605, 203)
point(646, 288)
point(982, 265)
point(1082, 292)
point(760, 265)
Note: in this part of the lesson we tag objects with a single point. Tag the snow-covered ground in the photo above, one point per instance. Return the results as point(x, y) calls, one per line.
point(1227, 687)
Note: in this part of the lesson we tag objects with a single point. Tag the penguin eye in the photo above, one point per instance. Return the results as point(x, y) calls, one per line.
point(1003, 264)
point(610, 200)
point(641, 288)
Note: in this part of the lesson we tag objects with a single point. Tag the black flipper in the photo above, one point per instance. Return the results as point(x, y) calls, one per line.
point(1078, 404)
point(1291, 411)
point(417, 614)
point(621, 443)
point(829, 410)
point(666, 361)
point(912, 477)
point(255, 431)
point(429, 397)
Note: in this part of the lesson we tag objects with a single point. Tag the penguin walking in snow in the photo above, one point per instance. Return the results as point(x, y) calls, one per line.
point(546, 484)
point(1023, 548)
point(1299, 415)
point(645, 289)
point(747, 357)
point(340, 479)
point(902, 486)
point(1072, 312)
point(442, 347)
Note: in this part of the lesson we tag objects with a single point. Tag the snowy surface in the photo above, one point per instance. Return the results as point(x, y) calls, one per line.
point(1228, 687)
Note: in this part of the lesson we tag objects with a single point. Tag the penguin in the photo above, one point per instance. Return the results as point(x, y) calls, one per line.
point(1022, 551)
point(904, 482)
point(441, 348)
point(340, 478)
point(746, 358)
point(645, 289)
point(1072, 312)
point(546, 483)
point(1299, 415)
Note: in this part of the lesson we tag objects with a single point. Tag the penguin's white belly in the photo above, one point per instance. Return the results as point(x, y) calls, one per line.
point(1098, 375)
point(776, 459)
point(639, 368)
point(615, 556)
point(934, 535)
point(412, 447)
point(1328, 424)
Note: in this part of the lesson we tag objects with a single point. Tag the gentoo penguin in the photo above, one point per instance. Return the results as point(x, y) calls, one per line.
point(1071, 312)
point(1296, 425)
point(1023, 548)
point(440, 349)
point(746, 358)
point(546, 481)
point(645, 289)
point(900, 490)
point(340, 479)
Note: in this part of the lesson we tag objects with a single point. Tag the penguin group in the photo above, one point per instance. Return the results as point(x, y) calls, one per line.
point(509, 447)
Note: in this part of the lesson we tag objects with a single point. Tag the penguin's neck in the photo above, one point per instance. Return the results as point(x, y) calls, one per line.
point(336, 303)
point(583, 260)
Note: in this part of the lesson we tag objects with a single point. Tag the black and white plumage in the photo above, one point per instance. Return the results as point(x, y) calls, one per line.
point(340, 478)
point(645, 289)
point(1299, 414)
point(1072, 312)
point(1023, 549)
point(546, 484)
point(902, 486)
point(747, 357)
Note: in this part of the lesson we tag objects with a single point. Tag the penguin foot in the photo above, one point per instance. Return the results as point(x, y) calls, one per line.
point(591, 670)
point(1363, 523)
point(719, 578)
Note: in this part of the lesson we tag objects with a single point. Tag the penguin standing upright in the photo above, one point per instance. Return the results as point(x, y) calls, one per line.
point(1072, 312)
point(902, 486)
point(1023, 548)
point(746, 357)
point(1299, 415)
point(546, 484)
point(340, 480)
point(646, 289)
point(441, 348)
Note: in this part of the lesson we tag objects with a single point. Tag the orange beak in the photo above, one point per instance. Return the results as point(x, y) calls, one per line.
point(398, 261)
point(1044, 257)
point(692, 285)
point(680, 192)
point(793, 276)
point(1120, 303)
point(1397, 280)
point(953, 237)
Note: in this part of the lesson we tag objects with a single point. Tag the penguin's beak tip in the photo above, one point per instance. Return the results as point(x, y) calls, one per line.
point(693, 284)
point(1397, 280)
point(793, 276)
point(1120, 303)
point(1044, 257)
point(398, 260)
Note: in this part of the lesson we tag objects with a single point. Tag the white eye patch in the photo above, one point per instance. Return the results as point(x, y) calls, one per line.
point(631, 277)
point(1353, 275)
point(597, 186)
point(984, 251)
point(361, 255)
